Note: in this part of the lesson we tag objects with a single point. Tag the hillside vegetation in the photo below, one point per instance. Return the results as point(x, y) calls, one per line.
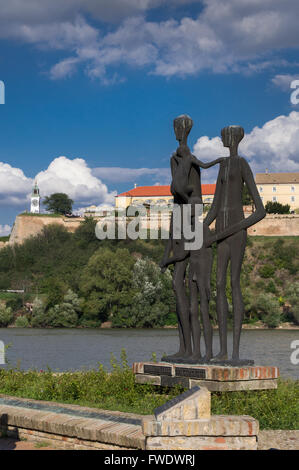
point(73, 279)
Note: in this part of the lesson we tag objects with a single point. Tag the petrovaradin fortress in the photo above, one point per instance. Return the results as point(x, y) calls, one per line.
point(26, 226)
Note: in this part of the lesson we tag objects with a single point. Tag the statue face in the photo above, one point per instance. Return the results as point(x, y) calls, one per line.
point(232, 135)
point(182, 126)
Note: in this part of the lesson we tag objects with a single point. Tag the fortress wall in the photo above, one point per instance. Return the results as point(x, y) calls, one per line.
point(276, 225)
point(26, 226)
point(30, 225)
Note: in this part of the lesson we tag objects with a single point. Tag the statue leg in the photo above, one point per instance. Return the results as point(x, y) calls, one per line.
point(237, 244)
point(182, 307)
point(203, 268)
point(223, 255)
point(182, 310)
point(195, 324)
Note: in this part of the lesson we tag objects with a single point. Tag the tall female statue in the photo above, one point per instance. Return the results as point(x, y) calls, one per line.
point(231, 234)
point(186, 189)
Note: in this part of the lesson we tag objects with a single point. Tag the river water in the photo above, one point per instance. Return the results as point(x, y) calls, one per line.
point(78, 349)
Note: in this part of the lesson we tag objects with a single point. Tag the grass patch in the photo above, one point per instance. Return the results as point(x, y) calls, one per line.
point(29, 214)
point(40, 444)
point(274, 409)
point(116, 390)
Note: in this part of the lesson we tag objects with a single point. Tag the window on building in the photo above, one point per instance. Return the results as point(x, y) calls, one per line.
point(261, 189)
point(293, 198)
point(293, 189)
point(274, 189)
point(274, 198)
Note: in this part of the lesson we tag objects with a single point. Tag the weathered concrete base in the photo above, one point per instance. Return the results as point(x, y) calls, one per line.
point(213, 377)
point(201, 443)
point(182, 423)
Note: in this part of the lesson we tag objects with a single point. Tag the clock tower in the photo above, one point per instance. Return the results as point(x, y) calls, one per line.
point(35, 200)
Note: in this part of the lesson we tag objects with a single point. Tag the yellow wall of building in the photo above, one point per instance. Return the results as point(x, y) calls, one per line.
point(284, 193)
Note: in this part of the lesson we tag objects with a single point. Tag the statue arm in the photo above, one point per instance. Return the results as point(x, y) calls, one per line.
point(257, 215)
point(203, 165)
point(212, 214)
point(168, 247)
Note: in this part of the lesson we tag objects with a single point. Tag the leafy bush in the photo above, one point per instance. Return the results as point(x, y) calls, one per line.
point(267, 305)
point(267, 271)
point(153, 298)
point(277, 208)
point(106, 284)
point(39, 319)
point(66, 313)
point(22, 322)
point(6, 315)
point(292, 295)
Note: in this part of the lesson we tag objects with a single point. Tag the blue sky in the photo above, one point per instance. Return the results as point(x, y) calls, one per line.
point(92, 89)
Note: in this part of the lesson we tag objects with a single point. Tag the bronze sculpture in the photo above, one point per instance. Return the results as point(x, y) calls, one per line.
point(230, 235)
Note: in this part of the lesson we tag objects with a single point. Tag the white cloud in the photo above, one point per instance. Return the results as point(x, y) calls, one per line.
point(275, 146)
point(74, 178)
point(5, 230)
point(131, 175)
point(231, 36)
point(14, 185)
point(284, 81)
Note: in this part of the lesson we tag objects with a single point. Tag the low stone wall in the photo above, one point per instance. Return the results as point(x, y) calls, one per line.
point(181, 424)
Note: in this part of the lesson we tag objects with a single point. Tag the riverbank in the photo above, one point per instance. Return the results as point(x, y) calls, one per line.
point(117, 391)
point(245, 326)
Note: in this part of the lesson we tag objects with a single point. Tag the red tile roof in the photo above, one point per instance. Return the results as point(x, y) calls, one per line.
point(154, 191)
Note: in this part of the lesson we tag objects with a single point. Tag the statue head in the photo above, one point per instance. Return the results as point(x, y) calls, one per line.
point(182, 127)
point(232, 136)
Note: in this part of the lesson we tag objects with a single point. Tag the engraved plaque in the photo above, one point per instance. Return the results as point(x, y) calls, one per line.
point(190, 373)
point(156, 370)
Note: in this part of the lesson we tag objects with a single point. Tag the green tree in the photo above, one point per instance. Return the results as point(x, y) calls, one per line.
point(277, 208)
point(22, 322)
point(292, 295)
point(66, 313)
point(58, 203)
point(106, 285)
point(267, 305)
point(39, 318)
point(153, 300)
point(6, 315)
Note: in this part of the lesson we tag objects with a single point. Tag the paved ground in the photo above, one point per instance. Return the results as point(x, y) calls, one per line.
point(283, 440)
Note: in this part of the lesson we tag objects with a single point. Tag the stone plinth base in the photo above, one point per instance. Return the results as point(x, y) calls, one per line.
point(186, 423)
point(215, 378)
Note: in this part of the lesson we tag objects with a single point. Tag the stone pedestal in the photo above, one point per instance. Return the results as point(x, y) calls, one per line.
point(186, 423)
point(214, 377)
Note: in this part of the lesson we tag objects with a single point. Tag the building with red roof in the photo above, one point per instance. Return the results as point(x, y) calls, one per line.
point(157, 195)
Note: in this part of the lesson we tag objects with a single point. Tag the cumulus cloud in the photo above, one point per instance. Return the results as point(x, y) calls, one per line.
point(230, 36)
point(15, 186)
point(275, 146)
point(74, 178)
